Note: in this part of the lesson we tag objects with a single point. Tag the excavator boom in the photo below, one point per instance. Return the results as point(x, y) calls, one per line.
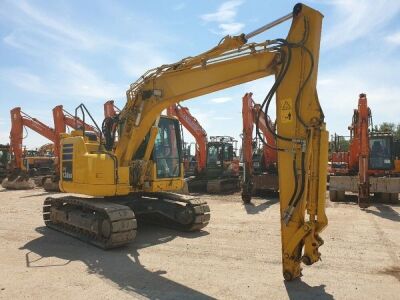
point(196, 130)
point(266, 179)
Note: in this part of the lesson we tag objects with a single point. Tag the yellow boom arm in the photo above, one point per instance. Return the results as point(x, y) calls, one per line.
point(302, 140)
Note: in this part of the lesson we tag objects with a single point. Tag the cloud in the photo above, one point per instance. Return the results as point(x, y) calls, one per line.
point(78, 81)
point(24, 80)
point(221, 99)
point(141, 57)
point(225, 17)
point(393, 38)
point(83, 82)
point(57, 28)
point(354, 19)
point(49, 40)
point(230, 28)
point(225, 13)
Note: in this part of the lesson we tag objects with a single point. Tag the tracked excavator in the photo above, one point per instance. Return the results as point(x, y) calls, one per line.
point(20, 173)
point(134, 179)
point(260, 171)
point(215, 171)
point(370, 164)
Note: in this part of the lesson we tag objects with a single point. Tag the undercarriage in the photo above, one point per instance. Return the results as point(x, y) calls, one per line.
point(113, 221)
point(213, 186)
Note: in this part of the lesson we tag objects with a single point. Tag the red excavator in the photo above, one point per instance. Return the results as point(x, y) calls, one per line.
point(26, 164)
point(32, 165)
point(369, 165)
point(217, 170)
point(259, 163)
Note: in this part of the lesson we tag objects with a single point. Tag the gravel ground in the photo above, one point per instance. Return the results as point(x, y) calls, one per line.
point(236, 257)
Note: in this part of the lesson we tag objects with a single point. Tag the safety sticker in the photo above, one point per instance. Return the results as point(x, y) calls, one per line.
point(286, 111)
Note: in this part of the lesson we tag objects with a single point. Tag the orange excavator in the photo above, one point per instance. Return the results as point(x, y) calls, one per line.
point(260, 170)
point(217, 171)
point(369, 165)
point(22, 168)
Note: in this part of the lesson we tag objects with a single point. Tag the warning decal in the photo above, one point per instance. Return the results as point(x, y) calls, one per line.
point(286, 111)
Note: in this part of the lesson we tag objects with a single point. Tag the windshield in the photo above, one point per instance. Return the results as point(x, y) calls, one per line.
point(167, 149)
point(213, 154)
point(3, 157)
point(380, 157)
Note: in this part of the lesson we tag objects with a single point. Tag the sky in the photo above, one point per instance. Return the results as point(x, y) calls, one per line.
point(71, 52)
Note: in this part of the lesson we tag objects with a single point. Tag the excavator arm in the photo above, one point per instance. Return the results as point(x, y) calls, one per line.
point(253, 115)
point(247, 146)
point(363, 123)
point(196, 130)
point(18, 120)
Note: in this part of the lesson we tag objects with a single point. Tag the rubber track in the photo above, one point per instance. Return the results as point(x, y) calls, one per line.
point(200, 209)
point(123, 221)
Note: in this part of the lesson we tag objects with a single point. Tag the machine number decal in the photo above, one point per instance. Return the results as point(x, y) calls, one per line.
point(286, 111)
point(67, 170)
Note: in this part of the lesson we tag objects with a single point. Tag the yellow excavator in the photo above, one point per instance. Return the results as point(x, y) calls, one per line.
point(135, 178)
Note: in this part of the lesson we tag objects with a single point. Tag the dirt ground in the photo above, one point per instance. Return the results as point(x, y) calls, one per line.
point(237, 256)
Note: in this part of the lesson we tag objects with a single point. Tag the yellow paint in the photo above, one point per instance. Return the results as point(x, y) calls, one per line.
point(95, 173)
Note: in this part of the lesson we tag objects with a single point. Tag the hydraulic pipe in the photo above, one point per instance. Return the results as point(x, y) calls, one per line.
point(269, 26)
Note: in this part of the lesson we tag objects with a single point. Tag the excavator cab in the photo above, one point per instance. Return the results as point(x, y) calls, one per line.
point(220, 155)
point(189, 160)
point(167, 149)
point(381, 152)
point(396, 147)
point(36, 164)
point(5, 158)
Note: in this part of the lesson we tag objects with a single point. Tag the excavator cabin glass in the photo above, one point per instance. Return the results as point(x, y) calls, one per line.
point(167, 149)
point(217, 153)
point(381, 155)
point(5, 158)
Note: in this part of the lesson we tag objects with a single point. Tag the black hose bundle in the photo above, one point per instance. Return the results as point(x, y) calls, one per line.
point(109, 128)
point(284, 48)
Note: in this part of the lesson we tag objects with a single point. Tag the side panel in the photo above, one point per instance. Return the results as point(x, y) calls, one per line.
point(84, 172)
point(343, 183)
point(385, 184)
